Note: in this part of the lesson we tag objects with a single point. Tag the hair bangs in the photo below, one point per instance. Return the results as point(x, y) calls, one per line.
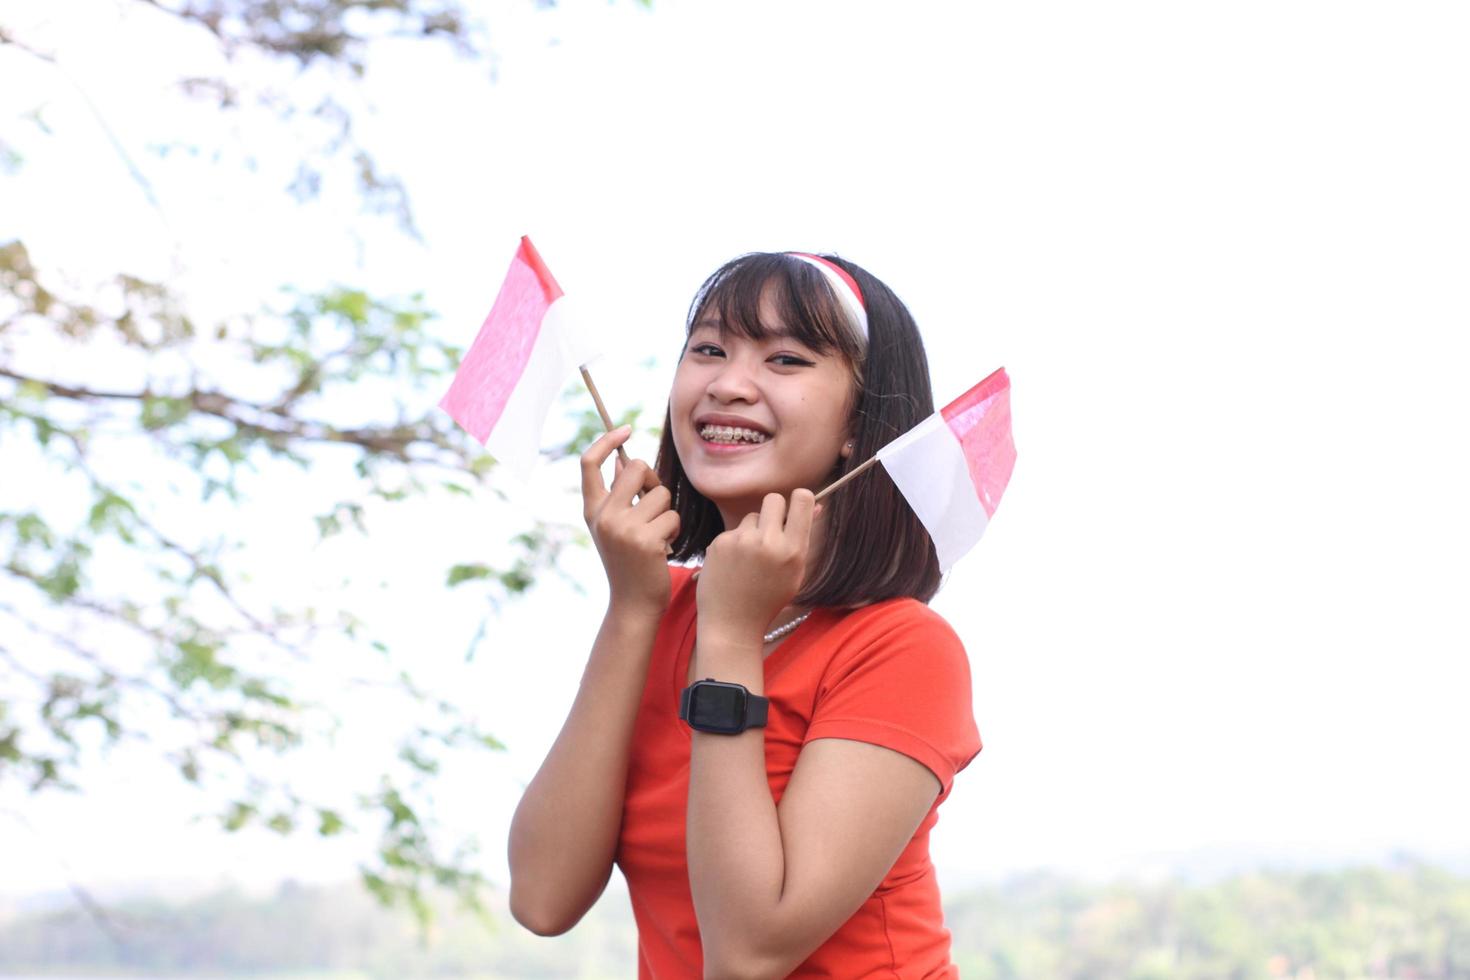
point(800, 304)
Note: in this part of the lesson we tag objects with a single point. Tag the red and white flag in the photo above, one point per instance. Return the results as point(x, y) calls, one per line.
point(953, 466)
point(518, 363)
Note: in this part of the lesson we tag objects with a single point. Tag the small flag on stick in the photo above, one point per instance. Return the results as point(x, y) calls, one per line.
point(953, 467)
point(518, 363)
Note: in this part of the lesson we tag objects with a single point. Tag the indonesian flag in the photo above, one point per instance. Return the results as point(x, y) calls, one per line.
point(518, 363)
point(953, 466)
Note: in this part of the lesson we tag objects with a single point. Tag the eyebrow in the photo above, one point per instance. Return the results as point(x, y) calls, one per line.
point(719, 327)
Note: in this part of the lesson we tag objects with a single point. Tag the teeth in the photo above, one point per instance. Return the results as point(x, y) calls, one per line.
point(731, 434)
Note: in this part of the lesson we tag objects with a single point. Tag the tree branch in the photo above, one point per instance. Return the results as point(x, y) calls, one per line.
point(107, 131)
point(389, 440)
point(7, 38)
point(181, 711)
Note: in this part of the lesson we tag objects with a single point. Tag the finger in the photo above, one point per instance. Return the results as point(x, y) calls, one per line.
point(799, 518)
point(666, 526)
point(627, 483)
point(773, 516)
point(596, 455)
point(653, 502)
point(650, 480)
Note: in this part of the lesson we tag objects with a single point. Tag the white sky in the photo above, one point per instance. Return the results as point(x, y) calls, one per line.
point(1221, 251)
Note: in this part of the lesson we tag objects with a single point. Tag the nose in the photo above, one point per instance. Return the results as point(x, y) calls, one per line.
point(734, 381)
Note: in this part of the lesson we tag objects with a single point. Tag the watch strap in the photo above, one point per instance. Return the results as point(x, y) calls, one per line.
point(756, 710)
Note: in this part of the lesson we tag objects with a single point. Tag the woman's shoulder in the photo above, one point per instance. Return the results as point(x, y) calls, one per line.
point(897, 675)
point(901, 616)
point(903, 632)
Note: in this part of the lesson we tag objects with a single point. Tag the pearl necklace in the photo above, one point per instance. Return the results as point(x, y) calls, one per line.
point(781, 631)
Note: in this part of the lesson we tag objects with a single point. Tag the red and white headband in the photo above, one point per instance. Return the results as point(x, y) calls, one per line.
point(843, 284)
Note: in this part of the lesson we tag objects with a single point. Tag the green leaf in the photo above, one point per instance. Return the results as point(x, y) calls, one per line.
point(32, 390)
point(399, 812)
point(328, 525)
point(351, 304)
point(258, 690)
point(418, 760)
point(517, 580)
point(212, 486)
point(48, 772)
point(115, 513)
point(63, 581)
point(199, 661)
point(378, 886)
point(238, 815)
point(10, 745)
point(161, 412)
point(31, 529)
point(331, 823)
point(467, 573)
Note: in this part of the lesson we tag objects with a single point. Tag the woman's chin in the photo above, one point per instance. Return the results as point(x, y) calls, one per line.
point(735, 502)
point(740, 492)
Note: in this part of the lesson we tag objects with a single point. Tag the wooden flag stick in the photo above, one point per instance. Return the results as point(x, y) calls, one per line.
point(846, 477)
point(601, 409)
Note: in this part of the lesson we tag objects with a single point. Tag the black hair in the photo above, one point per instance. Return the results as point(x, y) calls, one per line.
point(875, 548)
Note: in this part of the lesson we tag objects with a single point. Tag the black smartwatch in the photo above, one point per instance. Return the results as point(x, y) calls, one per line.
point(724, 709)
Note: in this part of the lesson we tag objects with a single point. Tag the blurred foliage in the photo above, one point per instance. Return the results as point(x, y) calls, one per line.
point(334, 31)
point(121, 622)
point(1406, 922)
point(296, 64)
point(1410, 921)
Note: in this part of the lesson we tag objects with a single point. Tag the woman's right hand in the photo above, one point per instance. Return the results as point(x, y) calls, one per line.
point(632, 539)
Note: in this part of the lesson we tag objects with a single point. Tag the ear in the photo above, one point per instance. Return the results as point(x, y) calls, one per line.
point(846, 451)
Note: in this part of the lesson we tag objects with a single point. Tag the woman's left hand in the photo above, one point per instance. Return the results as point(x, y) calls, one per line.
point(752, 571)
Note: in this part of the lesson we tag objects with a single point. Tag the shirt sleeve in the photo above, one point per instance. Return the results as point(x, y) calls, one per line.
point(902, 680)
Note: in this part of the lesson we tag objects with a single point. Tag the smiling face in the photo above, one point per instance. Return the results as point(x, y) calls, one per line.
point(787, 362)
point(756, 415)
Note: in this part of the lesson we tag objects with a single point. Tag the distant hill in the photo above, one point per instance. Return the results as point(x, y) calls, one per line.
point(1371, 922)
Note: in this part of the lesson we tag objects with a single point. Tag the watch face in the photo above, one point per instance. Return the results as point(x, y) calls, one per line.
point(717, 707)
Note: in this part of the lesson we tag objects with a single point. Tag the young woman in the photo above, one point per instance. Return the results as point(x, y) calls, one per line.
point(787, 837)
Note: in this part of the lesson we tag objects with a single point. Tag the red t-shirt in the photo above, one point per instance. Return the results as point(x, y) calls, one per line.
point(893, 674)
